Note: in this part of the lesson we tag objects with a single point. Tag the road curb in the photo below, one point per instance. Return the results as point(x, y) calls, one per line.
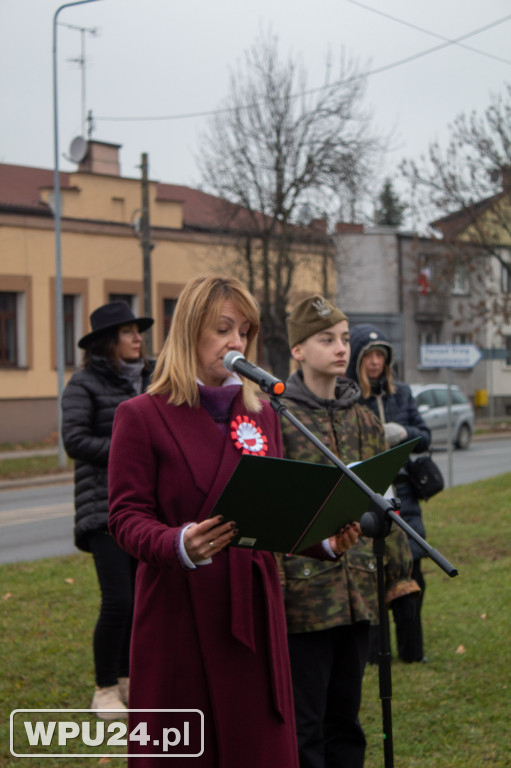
point(491, 436)
point(67, 477)
point(24, 482)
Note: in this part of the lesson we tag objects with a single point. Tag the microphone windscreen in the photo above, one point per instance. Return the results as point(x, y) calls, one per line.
point(230, 358)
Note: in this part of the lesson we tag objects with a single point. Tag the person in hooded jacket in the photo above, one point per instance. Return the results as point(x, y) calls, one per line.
point(114, 369)
point(371, 366)
point(331, 606)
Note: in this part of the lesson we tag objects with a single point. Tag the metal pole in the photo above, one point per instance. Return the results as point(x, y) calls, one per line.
point(58, 257)
point(449, 427)
point(491, 412)
point(82, 65)
point(146, 251)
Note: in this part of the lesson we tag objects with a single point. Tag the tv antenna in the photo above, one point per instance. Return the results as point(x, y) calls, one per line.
point(81, 61)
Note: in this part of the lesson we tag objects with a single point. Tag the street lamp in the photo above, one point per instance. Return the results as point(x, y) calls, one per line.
point(58, 260)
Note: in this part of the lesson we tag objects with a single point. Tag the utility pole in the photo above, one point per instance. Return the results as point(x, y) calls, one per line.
point(145, 242)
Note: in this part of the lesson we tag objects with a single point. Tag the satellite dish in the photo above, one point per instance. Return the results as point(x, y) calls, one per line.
point(78, 149)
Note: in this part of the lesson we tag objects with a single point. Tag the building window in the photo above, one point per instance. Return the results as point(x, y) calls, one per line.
point(507, 344)
point(459, 285)
point(72, 328)
point(425, 275)
point(8, 329)
point(462, 338)
point(428, 337)
point(13, 329)
point(128, 298)
point(505, 275)
point(169, 306)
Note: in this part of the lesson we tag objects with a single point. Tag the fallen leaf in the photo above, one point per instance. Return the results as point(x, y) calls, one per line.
point(483, 616)
point(69, 581)
point(460, 649)
point(104, 760)
point(7, 596)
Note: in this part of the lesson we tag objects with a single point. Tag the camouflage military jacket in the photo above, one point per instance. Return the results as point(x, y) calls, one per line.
point(323, 594)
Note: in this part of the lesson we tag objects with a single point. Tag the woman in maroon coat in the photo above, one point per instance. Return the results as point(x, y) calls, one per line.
point(209, 632)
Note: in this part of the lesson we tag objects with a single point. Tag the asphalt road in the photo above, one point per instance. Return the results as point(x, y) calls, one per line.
point(484, 458)
point(37, 522)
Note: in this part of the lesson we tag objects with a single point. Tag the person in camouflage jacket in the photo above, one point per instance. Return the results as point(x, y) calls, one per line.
point(331, 605)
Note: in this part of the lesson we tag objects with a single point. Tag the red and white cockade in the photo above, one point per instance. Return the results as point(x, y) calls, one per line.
point(248, 437)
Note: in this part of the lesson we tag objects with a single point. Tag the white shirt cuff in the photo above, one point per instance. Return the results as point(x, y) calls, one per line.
point(184, 555)
point(328, 549)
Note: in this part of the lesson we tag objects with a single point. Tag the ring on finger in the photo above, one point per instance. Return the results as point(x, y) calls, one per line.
point(211, 543)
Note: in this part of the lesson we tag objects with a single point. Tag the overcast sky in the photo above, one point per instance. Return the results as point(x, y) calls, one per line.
point(161, 58)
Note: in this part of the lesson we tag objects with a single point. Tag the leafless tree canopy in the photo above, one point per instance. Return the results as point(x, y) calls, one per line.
point(287, 155)
point(465, 189)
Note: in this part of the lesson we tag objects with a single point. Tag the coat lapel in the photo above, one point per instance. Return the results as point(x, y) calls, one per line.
point(198, 437)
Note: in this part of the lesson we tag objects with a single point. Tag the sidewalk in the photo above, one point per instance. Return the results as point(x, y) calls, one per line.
point(67, 476)
point(28, 482)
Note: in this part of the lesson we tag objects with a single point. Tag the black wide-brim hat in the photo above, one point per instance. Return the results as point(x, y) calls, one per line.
point(111, 316)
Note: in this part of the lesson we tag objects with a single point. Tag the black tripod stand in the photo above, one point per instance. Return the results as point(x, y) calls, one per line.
point(376, 525)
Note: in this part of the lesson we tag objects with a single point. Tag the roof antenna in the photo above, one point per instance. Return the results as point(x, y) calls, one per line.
point(81, 61)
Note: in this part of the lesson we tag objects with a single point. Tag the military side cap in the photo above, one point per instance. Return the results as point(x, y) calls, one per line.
point(310, 316)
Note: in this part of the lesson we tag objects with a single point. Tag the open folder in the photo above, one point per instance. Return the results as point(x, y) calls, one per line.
point(286, 506)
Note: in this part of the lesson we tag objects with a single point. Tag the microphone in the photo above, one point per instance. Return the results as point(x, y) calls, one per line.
point(235, 361)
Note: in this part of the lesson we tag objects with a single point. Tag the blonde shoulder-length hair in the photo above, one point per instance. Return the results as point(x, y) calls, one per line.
point(200, 304)
point(365, 382)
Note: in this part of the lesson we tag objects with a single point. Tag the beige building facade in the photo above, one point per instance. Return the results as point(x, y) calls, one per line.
point(101, 260)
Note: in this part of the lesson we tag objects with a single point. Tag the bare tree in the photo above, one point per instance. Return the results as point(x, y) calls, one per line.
point(469, 185)
point(286, 156)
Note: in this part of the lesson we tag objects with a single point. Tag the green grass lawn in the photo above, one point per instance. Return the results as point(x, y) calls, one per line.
point(32, 466)
point(18, 467)
point(453, 711)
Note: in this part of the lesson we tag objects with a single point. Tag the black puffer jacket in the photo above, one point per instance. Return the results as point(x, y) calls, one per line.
point(89, 402)
point(398, 407)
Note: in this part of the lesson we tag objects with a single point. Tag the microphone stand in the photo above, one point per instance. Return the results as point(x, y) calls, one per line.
point(375, 524)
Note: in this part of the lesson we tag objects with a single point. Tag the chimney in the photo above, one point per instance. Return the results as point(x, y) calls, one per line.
point(101, 158)
point(318, 225)
point(349, 228)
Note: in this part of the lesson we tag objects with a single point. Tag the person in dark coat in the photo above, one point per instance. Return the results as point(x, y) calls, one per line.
point(209, 631)
point(114, 369)
point(371, 362)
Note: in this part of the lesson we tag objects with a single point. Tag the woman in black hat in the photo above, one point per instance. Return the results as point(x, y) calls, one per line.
point(114, 369)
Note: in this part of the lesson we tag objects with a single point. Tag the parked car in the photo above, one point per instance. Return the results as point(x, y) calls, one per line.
point(431, 402)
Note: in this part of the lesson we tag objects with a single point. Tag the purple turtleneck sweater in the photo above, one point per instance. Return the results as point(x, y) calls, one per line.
point(218, 402)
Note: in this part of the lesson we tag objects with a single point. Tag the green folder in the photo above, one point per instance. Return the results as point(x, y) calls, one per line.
point(287, 506)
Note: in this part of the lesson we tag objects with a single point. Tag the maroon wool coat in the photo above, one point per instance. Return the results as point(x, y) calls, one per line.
point(213, 638)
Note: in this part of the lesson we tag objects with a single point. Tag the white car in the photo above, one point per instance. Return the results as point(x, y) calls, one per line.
point(431, 400)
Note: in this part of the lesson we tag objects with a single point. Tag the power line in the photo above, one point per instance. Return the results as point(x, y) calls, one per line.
point(435, 34)
point(378, 70)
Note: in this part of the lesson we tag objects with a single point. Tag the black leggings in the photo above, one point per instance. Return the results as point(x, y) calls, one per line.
point(410, 644)
point(116, 575)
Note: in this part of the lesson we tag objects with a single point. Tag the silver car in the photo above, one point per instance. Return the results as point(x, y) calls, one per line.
point(431, 400)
